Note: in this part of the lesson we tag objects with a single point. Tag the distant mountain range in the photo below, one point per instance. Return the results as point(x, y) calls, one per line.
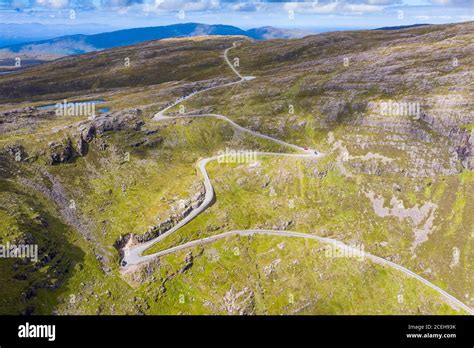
point(80, 43)
point(32, 52)
point(16, 33)
point(400, 27)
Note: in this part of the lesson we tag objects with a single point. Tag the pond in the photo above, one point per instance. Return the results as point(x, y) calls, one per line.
point(52, 106)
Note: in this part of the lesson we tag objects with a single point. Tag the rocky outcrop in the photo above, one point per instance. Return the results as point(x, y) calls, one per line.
point(239, 302)
point(65, 152)
point(68, 149)
point(16, 151)
point(461, 139)
point(120, 120)
point(465, 148)
point(188, 262)
point(23, 118)
point(184, 209)
point(420, 217)
point(87, 132)
point(61, 152)
point(82, 147)
point(147, 142)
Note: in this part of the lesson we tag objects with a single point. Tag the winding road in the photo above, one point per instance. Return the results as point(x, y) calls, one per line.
point(133, 255)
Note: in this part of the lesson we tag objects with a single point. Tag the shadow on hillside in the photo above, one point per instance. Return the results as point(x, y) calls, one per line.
point(28, 287)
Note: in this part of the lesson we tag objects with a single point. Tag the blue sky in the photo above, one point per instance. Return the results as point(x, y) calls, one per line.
point(317, 15)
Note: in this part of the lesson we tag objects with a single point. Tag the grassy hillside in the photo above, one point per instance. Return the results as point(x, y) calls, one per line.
point(150, 63)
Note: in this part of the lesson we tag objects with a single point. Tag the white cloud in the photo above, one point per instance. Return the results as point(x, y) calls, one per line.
point(246, 6)
point(383, 2)
point(361, 8)
point(311, 7)
point(52, 3)
point(178, 5)
point(338, 6)
point(454, 3)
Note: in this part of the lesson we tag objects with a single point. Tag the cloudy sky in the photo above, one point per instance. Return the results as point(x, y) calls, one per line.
point(317, 15)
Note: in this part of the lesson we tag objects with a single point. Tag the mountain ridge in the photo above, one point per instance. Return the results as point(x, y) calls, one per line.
point(84, 43)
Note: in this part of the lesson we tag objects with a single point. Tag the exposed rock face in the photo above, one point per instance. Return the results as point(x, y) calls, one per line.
point(189, 261)
point(61, 152)
point(239, 302)
point(147, 142)
point(65, 151)
point(16, 151)
point(153, 142)
point(185, 208)
point(87, 132)
point(420, 217)
point(23, 118)
point(269, 269)
point(461, 139)
point(145, 272)
point(157, 230)
point(121, 242)
point(465, 149)
point(82, 147)
point(120, 120)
